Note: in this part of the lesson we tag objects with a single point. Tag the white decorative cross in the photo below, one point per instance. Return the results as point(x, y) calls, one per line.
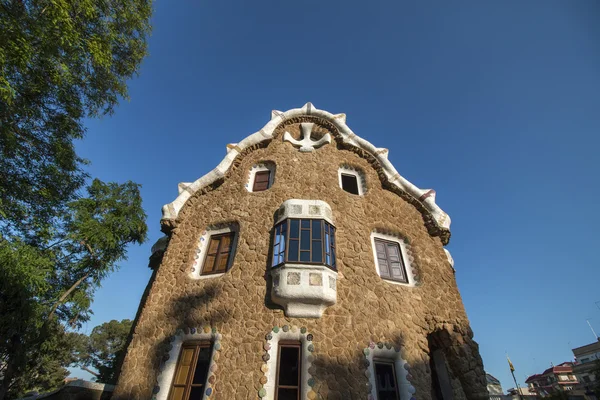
point(306, 144)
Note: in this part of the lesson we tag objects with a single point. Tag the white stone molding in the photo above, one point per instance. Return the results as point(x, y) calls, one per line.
point(269, 368)
point(202, 247)
point(450, 259)
point(167, 369)
point(306, 144)
point(354, 171)
point(304, 290)
point(412, 273)
point(311, 209)
point(262, 166)
point(388, 352)
point(425, 196)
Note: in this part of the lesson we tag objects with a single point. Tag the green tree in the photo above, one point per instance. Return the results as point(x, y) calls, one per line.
point(42, 286)
point(60, 61)
point(105, 347)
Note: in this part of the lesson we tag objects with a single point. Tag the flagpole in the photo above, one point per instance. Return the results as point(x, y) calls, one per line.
point(512, 372)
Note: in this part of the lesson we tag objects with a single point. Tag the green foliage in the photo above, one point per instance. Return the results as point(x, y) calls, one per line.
point(44, 286)
point(60, 61)
point(105, 348)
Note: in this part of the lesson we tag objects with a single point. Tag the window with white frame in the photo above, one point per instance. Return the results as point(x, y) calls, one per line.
point(215, 251)
point(391, 260)
point(261, 177)
point(352, 180)
point(387, 372)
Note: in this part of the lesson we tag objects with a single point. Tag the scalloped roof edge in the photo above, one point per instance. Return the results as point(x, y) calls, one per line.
point(425, 196)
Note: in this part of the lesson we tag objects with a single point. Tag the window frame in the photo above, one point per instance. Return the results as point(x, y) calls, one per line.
point(387, 242)
point(196, 345)
point(293, 344)
point(378, 360)
point(358, 174)
point(261, 172)
point(356, 180)
point(232, 243)
point(325, 249)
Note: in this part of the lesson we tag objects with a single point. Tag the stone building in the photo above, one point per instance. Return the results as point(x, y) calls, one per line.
point(304, 266)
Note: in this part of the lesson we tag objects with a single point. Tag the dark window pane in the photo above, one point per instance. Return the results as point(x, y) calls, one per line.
point(287, 394)
point(350, 183)
point(202, 366)
point(305, 223)
point(305, 240)
point(293, 251)
point(386, 381)
point(317, 251)
point(294, 226)
point(305, 256)
point(288, 366)
point(316, 228)
point(196, 393)
point(333, 258)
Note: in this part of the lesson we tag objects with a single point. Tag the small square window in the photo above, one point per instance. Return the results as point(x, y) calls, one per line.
point(218, 254)
point(262, 180)
point(350, 183)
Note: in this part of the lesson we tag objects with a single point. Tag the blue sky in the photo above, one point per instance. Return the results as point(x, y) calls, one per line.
point(495, 105)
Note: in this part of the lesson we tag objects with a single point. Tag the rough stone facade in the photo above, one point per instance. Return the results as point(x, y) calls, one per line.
point(369, 311)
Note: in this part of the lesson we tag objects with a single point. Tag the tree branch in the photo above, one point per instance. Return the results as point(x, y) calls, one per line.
point(90, 371)
point(76, 284)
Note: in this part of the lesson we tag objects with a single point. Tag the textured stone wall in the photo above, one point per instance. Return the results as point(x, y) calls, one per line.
point(368, 309)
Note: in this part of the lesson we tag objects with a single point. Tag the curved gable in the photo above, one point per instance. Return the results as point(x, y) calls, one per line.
point(437, 220)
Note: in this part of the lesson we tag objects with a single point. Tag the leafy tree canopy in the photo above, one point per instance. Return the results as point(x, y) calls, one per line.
point(60, 60)
point(44, 286)
point(105, 348)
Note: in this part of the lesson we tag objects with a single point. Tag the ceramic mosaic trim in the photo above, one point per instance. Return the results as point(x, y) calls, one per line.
point(169, 363)
point(201, 247)
point(262, 166)
point(442, 220)
point(356, 171)
point(387, 351)
point(269, 367)
point(412, 267)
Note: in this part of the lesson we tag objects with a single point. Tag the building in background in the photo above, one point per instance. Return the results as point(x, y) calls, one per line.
point(556, 379)
point(493, 385)
point(587, 360)
point(524, 391)
point(304, 266)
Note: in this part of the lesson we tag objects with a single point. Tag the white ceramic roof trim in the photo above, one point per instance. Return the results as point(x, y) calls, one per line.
point(170, 211)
